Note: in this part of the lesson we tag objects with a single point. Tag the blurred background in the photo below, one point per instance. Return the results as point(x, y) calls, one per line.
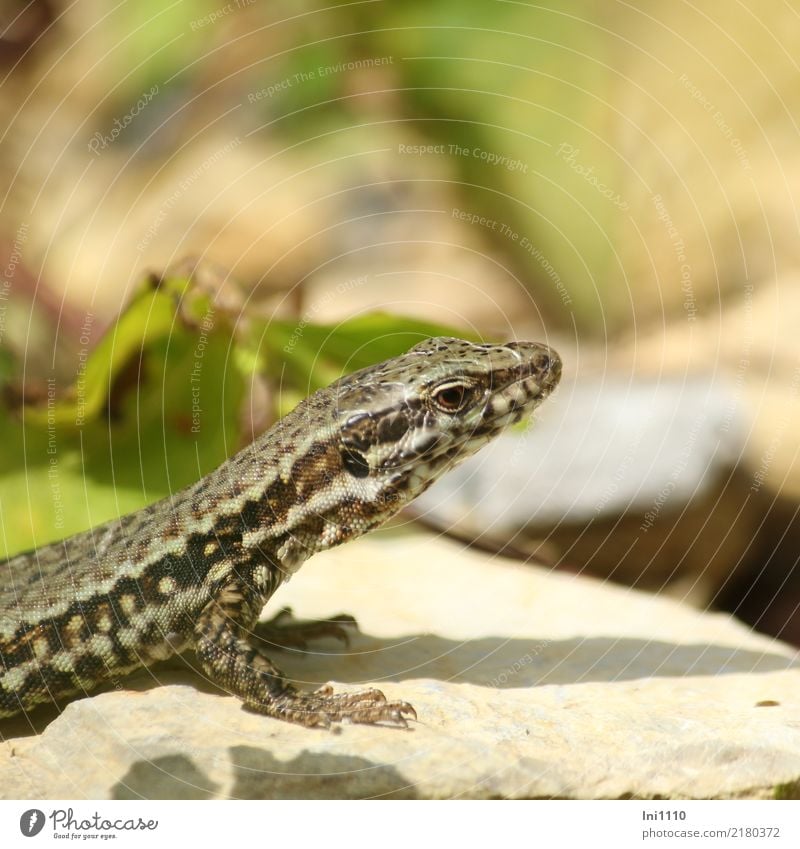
point(334, 179)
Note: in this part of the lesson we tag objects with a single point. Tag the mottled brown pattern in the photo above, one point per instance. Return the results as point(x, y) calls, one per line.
point(195, 570)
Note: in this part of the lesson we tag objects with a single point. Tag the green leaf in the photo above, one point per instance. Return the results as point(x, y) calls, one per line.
point(153, 408)
point(158, 403)
point(316, 354)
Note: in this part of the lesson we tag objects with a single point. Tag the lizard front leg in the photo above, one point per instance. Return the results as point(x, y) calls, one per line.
point(240, 667)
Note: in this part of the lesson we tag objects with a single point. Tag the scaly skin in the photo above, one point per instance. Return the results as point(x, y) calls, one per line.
point(196, 569)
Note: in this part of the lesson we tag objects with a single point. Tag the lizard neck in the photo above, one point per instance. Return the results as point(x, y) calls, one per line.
point(282, 499)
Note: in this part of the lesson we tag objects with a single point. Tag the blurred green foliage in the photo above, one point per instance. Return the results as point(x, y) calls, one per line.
point(521, 83)
point(515, 92)
point(158, 403)
point(524, 90)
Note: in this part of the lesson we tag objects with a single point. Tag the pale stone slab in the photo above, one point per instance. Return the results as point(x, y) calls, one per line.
point(527, 684)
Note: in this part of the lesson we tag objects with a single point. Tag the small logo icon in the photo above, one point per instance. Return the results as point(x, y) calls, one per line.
point(31, 822)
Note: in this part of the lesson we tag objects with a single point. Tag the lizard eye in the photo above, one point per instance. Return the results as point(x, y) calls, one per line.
point(452, 397)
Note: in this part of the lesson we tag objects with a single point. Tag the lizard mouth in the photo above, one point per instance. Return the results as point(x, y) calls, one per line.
point(522, 385)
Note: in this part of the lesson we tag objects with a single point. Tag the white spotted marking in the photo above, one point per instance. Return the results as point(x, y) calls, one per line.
point(167, 585)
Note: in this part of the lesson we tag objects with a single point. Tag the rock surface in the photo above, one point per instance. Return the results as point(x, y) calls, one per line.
point(628, 479)
point(600, 449)
point(527, 684)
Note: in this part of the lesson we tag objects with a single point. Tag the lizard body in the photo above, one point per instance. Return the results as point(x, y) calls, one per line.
point(195, 569)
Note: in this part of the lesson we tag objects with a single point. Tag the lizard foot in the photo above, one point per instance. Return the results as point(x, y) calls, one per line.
point(284, 631)
point(241, 668)
point(323, 707)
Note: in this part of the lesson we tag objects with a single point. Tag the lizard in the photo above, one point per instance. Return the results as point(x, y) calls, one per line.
point(194, 570)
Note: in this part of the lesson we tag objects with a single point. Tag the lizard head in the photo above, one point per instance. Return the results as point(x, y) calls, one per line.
point(406, 421)
point(374, 440)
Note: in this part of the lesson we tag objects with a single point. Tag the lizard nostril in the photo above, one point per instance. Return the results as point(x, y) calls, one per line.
point(549, 362)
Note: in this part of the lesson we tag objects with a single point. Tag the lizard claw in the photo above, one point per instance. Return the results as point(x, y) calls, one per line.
point(323, 707)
